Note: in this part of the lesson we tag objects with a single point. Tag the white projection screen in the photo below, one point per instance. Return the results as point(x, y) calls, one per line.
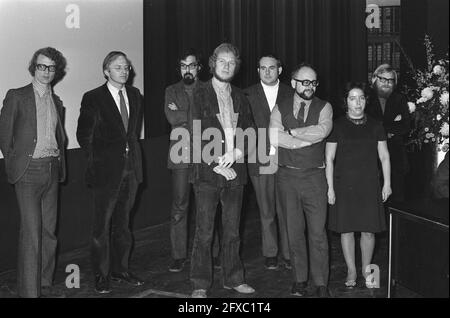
point(84, 31)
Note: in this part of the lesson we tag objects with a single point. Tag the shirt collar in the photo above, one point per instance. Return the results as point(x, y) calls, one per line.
point(221, 86)
point(114, 90)
point(41, 88)
point(265, 86)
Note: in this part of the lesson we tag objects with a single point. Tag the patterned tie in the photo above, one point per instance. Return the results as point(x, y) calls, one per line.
point(123, 111)
point(301, 113)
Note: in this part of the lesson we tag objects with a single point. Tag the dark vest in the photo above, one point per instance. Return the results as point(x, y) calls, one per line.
point(307, 157)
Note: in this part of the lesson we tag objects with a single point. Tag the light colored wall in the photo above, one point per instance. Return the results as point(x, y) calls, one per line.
point(105, 25)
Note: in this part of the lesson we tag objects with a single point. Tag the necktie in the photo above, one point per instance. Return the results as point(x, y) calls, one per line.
point(123, 110)
point(301, 113)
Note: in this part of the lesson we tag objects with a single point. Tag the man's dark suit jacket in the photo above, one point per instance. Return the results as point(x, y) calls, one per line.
point(102, 135)
point(18, 131)
point(261, 114)
point(396, 104)
point(179, 118)
point(206, 109)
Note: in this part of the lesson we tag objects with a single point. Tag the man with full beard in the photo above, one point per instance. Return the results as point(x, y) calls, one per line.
point(391, 108)
point(299, 126)
point(178, 110)
point(222, 110)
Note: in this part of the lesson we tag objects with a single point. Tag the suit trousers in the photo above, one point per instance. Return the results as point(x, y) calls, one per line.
point(270, 215)
point(303, 200)
point(112, 238)
point(207, 198)
point(37, 196)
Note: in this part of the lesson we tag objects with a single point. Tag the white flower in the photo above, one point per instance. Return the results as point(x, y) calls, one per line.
point(438, 117)
point(444, 130)
point(438, 70)
point(427, 93)
point(444, 98)
point(412, 107)
point(426, 129)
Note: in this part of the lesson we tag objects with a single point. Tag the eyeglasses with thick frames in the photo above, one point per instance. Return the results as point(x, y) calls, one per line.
point(191, 66)
point(385, 80)
point(43, 67)
point(307, 82)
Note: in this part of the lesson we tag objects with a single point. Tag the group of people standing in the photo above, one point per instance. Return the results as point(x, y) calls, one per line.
point(317, 162)
point(317, 165)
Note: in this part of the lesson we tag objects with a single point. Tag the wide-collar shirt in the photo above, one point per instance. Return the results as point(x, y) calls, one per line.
point(46, 122)
point(223, 92)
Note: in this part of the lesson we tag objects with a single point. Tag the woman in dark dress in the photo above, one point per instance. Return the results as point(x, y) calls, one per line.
point(354, 193)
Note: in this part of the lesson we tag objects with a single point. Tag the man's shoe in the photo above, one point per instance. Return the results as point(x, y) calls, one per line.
point(287, 264)
point(50, 292)
point(322, 292)
point(271, 263)
point(199, 293)
point(127, 277)
point(216, 263)
point(242, 289)
point(177, 265)
point(102, 284)
point(299, 289)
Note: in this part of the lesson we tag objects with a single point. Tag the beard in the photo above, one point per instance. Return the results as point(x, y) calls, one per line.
point(384, 92)
point(307, 96)
point(221, 79)
point(188, 79)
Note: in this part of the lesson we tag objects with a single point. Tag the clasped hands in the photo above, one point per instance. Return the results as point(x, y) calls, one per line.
point(172, 106)
point(225, 162)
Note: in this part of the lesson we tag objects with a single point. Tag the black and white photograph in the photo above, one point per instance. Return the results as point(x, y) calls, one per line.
point(251, 153)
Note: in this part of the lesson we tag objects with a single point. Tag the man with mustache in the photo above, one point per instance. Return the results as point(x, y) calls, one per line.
point(391, 108)
point(178, 109)
point(299, 126)
point(222, 108)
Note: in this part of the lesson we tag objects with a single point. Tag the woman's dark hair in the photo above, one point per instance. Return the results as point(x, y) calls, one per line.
point(352, 85)
point(54, 55)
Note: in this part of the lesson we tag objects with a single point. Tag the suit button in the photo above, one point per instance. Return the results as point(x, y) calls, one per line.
point(223, 141)
point(34, 139)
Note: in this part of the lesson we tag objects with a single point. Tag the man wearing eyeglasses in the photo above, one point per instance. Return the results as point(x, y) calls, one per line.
point(178, 109)
point(391, 108)
point(263, 97)
point(108, 128)
point(299, 126)
point(32, 141)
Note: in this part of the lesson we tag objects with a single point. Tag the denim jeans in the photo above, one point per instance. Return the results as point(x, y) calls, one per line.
point(37, 196)
point(181, 191)
point(207, 198)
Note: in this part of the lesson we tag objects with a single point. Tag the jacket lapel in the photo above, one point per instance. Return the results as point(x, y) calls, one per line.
point(262, 100)
point(29, 99)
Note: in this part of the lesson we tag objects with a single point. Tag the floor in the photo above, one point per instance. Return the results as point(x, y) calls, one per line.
point(151, 258)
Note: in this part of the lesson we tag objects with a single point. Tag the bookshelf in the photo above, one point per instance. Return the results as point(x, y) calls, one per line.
point(383, 43)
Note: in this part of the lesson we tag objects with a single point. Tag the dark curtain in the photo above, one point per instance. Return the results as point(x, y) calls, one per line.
point(330, 34)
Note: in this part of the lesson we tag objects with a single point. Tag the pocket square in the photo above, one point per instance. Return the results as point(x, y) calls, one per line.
point(398, 118)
